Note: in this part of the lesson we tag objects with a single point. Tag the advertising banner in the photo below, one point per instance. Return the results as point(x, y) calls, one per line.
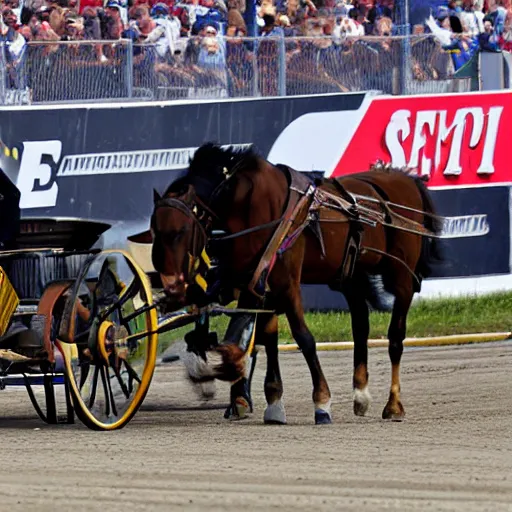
point(103, 161)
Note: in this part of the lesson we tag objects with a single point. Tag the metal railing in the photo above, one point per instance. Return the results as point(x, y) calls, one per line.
point(78, 71)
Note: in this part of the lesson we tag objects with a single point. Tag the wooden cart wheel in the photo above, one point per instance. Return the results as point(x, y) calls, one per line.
point(109, 355)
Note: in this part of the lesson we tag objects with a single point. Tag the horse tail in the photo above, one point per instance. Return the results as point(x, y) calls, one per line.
point(431, 250)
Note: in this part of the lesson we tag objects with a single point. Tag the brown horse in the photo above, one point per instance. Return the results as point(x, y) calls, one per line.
point(284, 231)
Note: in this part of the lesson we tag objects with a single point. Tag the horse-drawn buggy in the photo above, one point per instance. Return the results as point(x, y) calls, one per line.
point(69, 319)
point(78, 325)
point(87, 319)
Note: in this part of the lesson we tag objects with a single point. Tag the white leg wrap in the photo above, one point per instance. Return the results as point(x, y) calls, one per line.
point(362, 401)
point(275, 413)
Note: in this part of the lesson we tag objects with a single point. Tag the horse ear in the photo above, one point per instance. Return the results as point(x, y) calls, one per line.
point(190, 193)
point(156, 196)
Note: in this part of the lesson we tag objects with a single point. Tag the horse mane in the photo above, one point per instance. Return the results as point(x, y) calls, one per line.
point(212, 160)
point(381, 166)
point(178, 186)
point(209, 166)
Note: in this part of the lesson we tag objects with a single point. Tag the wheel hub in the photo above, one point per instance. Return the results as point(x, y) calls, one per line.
point(106, 340)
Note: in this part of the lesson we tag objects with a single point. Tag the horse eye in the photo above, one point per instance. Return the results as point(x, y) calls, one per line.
point(182, 231)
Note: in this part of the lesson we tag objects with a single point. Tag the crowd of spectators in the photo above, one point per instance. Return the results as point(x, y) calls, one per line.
point(469, 26)
point(186, 45)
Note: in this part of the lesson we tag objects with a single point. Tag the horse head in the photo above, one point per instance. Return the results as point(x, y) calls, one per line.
point(179, 226)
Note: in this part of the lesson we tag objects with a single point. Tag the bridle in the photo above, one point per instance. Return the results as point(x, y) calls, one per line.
point(202, 219)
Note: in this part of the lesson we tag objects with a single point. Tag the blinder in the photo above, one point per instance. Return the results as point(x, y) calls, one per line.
point(202, 218)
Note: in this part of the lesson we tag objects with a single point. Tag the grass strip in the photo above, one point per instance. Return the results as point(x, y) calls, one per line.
point(427, 317)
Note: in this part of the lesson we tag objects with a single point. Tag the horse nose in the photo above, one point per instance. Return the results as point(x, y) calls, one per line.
point(172, 284)
point(169, 282)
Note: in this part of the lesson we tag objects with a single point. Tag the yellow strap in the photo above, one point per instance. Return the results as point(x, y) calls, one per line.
point(206, 258)
point(200, 280)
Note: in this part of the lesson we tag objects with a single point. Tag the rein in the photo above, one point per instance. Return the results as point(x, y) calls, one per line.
point(384, 253)
point(250, 230)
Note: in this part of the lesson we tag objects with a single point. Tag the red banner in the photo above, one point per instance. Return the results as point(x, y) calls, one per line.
point(457, 140)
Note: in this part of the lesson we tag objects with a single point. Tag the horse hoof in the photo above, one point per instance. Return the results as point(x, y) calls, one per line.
point(394, 412)
point(238, 410)
point(396, 418)
point(322, 418)
point(275, 414)
point(362, 401)
point(243, 407)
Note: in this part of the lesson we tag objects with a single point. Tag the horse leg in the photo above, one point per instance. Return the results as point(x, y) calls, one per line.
point(241, 401)
point(294, 310)
point(404, 292)
point(354, 292)
point(274, 413)
point(240, 393)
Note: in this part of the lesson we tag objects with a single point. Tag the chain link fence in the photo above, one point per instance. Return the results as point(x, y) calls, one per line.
point(77, 71)
point(66, 71)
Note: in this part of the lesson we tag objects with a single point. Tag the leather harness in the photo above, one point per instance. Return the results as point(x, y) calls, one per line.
point(304, 202)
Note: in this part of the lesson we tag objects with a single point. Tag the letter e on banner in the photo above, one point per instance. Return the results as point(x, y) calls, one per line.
point(36, 179)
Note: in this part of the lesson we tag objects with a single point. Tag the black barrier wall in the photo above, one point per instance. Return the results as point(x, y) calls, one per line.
point(103, 162)
point(87, 148)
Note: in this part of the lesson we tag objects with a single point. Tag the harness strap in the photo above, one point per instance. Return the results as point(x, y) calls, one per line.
point(300, 197)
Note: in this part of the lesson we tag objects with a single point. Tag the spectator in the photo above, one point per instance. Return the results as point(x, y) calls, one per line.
point(505, 39)
point(342, 8)
point(14, 5)
point(73, 28)
point(212, 59)
point(496, 16)
point(194, 45)
point(377, 11)
point(355, 17)
point(240, 64)
point(210, 12)
point(284, 22)
point(266, 8)
point(270, 29)
point(13, 44)
point(92, 27)
point(471, 22)
point(235, 19)
point(113, 25)
point(488, 40)
point(165, 31)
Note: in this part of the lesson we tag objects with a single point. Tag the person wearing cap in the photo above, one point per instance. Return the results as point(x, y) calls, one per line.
point(118, 11)
point(166, 31)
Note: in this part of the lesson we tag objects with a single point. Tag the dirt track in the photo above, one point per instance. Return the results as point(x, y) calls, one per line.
point(453, 453)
